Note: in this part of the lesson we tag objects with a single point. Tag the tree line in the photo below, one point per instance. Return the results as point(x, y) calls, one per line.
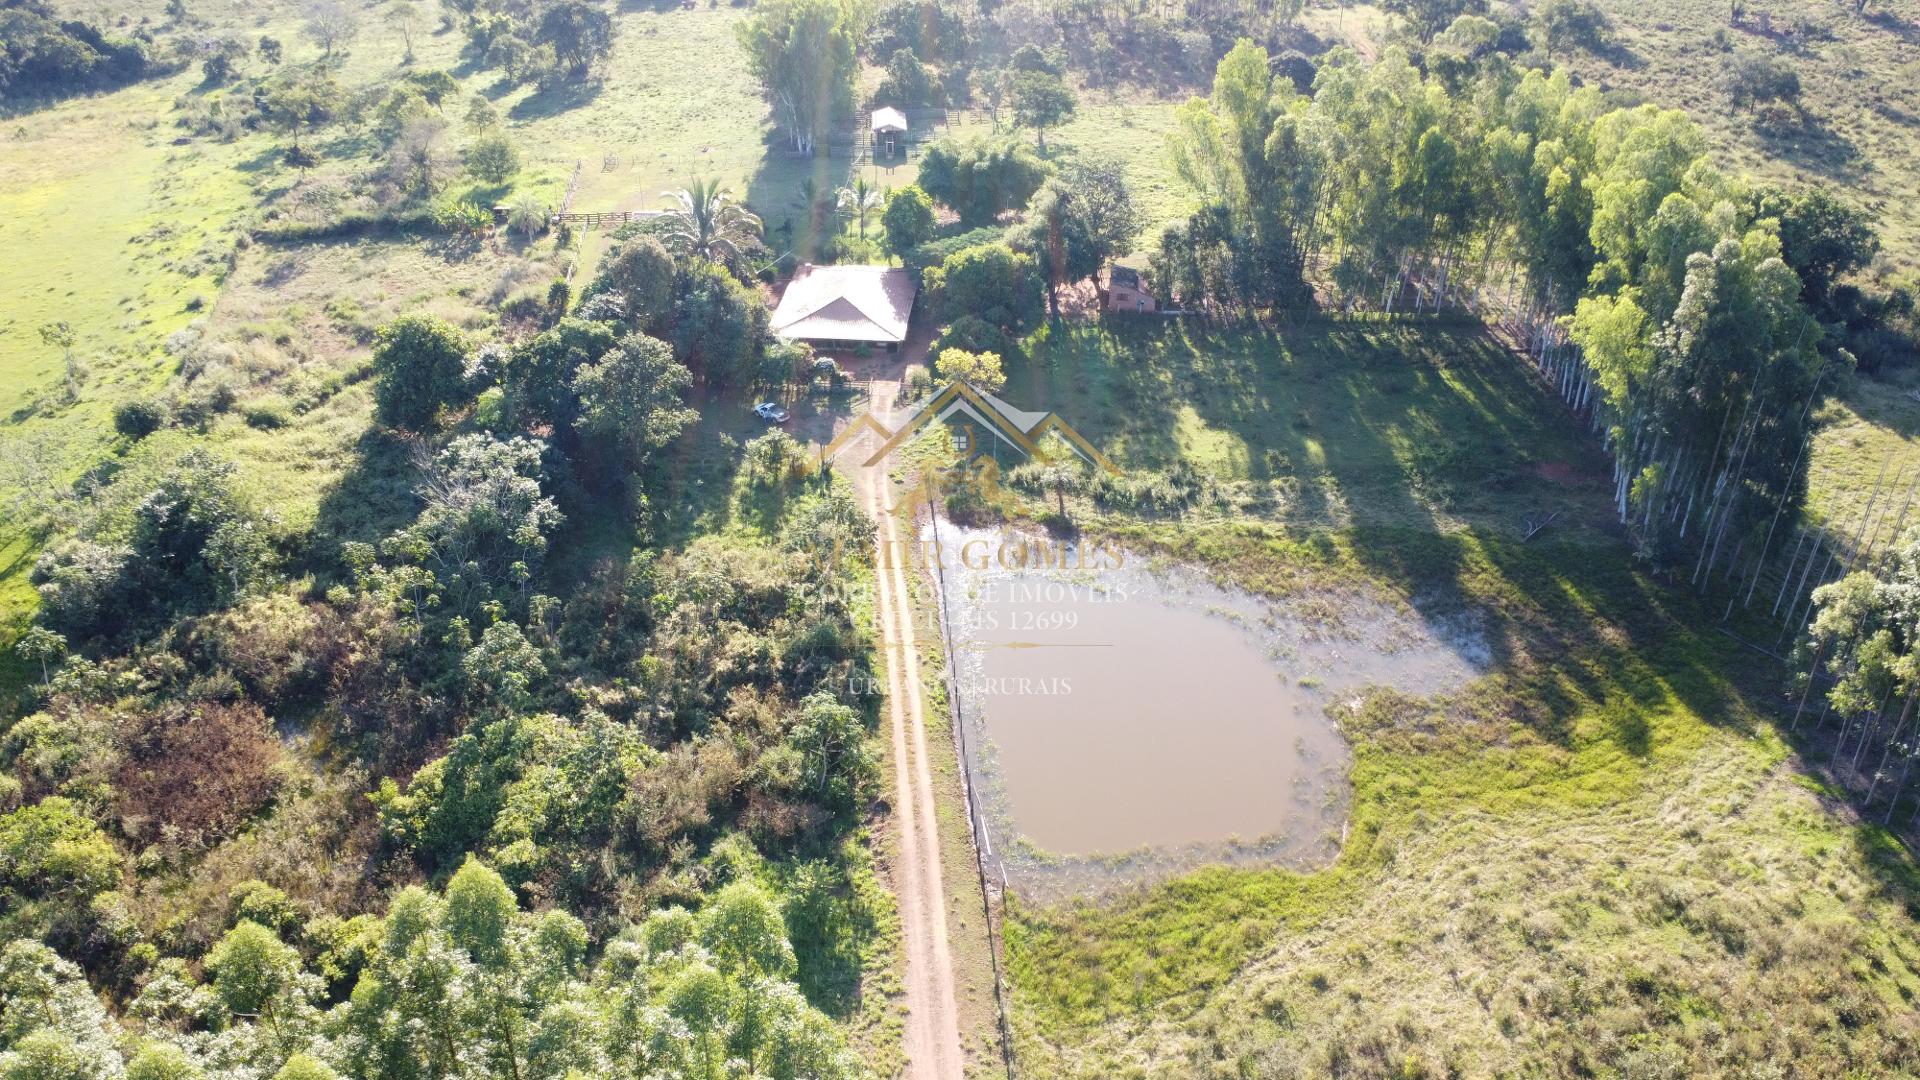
point(1692, 316)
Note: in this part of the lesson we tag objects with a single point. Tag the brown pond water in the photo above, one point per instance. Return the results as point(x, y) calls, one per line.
point(1146, 718)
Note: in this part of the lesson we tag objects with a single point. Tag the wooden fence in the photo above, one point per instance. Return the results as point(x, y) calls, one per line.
point(603, 219)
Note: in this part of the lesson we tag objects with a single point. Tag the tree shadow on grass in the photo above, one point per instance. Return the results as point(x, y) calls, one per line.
point(693, 493)
point(1618, 54)
point(1380, 426)
point(1112, 381)
point(1894, 23)
point(1813, 145)
point(553, 101)
point(1889, 857)
point(370, 501)
point(267, 158)
point(776, 192)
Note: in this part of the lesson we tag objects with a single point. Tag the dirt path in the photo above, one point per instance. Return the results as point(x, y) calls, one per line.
point(932, 1025)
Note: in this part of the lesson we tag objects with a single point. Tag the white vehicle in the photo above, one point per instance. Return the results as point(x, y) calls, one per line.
point(771, 413)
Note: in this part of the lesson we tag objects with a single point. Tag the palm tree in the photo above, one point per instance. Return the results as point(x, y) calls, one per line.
point(860, 200)
point(1059, 476)
point(527, 214)
point(705, 221)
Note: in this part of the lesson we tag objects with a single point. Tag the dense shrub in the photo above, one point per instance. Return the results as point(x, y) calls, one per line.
point(185, 546)
point(421, 361)
point(41, 57)
point(995, 283)
point(195, 769)
point(462, 217)
point(1174, 491)
point(408, 219)
point(975, 334)
point(935, 251)
point(53, 861)
point(139, 418)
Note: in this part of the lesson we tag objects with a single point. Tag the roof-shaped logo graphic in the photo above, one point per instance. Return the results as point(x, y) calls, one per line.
point(1019, 428)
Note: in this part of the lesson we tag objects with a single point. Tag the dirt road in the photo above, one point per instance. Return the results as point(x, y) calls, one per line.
point(933, 1032)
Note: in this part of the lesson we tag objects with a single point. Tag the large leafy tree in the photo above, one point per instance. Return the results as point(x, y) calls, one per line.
point(481, 535)
point(1040, 99)
point(981, 179)
point(421, 363)
point(1260, 163)
point(641, 274)
point(539, 374)
point(257, 974)
point(1058, 237)
point(802, 52)
point(831, 738)
point(631, 402)
point(580, 34)
point(908, 219)
point(719, 326)
point(1103, 202)
point(992, 282)
point(298, 104)
point(1426, 18)
point(1822, 237)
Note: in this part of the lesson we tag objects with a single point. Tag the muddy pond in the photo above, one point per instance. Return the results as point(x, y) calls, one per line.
point(1126, 720)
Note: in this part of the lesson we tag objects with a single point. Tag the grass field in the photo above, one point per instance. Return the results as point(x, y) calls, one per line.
point(1330, 423)
point(111, 229)
point(1873, 423)
point(1860, 76)
point(1599, 858)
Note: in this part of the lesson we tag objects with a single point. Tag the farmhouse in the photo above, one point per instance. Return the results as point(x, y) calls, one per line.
point(846, 307)
point(1121, 289)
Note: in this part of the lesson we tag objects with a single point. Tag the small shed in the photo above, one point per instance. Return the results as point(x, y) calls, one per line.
point(1122, 289)
point(889, 127)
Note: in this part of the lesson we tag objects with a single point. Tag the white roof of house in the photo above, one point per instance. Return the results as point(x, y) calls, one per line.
point(846, 303)
point(889, 119)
